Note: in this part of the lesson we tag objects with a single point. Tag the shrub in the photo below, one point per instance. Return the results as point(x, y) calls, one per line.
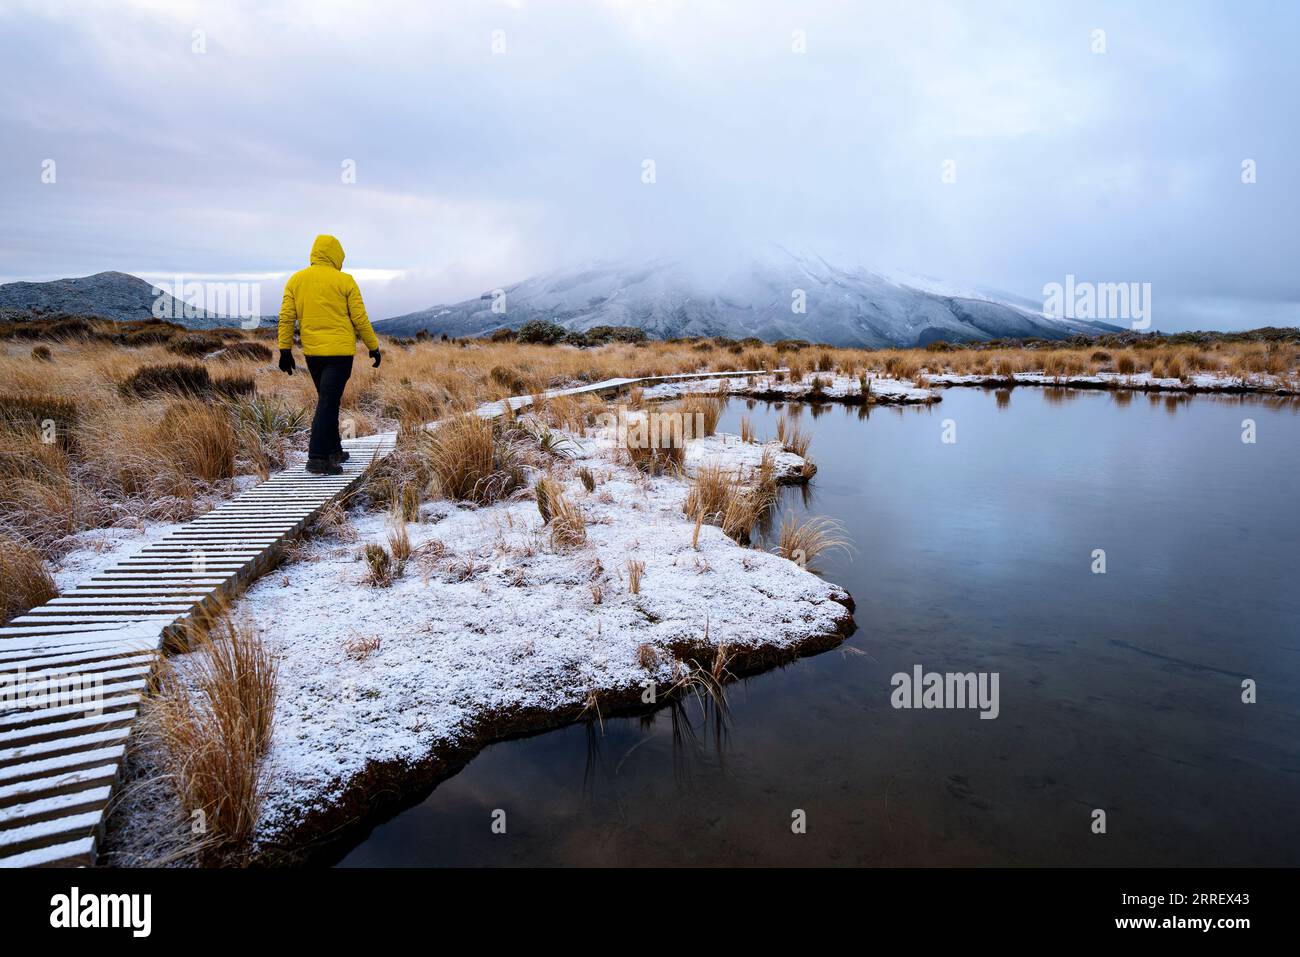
point(540, 331)
point(234, 386)
point(150, 336)
point(42, 354)
point(39, 502)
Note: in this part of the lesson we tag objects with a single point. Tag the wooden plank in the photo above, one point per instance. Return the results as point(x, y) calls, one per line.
point(78, 853)
point(33, 719)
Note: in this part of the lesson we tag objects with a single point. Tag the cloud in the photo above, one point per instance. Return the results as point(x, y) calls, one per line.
point(475, 169)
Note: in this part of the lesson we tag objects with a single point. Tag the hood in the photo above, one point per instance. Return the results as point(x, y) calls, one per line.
point(327, 251)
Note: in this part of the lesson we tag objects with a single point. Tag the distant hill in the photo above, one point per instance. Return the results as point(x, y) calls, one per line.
point(113, 295)
point(668, 299)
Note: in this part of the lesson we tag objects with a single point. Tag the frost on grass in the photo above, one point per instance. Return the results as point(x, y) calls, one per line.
point(493, 619)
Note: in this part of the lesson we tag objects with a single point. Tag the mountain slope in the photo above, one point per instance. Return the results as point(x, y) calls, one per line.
point(849, 307)
point(113, 295)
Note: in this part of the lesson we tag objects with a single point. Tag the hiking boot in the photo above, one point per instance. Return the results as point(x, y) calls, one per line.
point(324, 467)
point(338, 458)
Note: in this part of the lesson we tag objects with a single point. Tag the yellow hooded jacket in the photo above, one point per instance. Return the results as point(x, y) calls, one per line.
point(326, 304)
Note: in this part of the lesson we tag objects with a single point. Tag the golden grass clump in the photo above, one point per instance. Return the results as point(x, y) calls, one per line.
point(381, 570)
point(635, 569)
point(471, 460)
point(792, 437)
point(39, 501)
point(214, 717)
point(568, 526)
point(703, 411)
point(720, 498)
point(25, 581)
point(802, 542)
point(747, 429)
point(198, 438)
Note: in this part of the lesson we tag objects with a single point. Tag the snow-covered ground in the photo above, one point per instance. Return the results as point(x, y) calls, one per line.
point(1201, 381)
point(491, 622)
point(836, 388)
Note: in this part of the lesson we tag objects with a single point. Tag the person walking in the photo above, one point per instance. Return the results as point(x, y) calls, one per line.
point(326, 304)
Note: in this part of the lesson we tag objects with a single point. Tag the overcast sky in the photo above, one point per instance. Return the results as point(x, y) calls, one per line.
point(476, 168)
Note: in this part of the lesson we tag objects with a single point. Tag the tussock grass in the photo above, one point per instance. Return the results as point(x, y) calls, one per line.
point(399, 542)
point(199, 438)
point(719, 497)
point(802, 542)
point(705, 410)
point(792, 437)
point(381, 570)
point(25, 581)
point(245, 349)
point(175, 378)
point(470, 460)
point(635, 569)
point(567, 524)
point(214, 717)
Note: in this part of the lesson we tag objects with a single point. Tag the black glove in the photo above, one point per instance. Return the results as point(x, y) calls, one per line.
point(374, 354)
point(286, 361)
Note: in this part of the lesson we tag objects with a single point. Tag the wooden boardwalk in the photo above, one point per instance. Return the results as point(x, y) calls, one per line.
point(74, 670)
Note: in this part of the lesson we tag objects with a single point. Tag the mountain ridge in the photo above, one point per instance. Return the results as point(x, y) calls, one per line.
point(668, 299)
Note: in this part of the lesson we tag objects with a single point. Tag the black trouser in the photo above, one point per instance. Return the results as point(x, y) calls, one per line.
point(330, 373)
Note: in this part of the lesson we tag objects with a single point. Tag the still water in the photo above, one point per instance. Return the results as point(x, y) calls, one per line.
point(1119, 691)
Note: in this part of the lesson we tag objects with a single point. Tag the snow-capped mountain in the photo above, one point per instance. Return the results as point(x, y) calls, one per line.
point(669, 298)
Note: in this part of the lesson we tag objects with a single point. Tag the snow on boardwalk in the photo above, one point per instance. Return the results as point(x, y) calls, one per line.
point(73, 671)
